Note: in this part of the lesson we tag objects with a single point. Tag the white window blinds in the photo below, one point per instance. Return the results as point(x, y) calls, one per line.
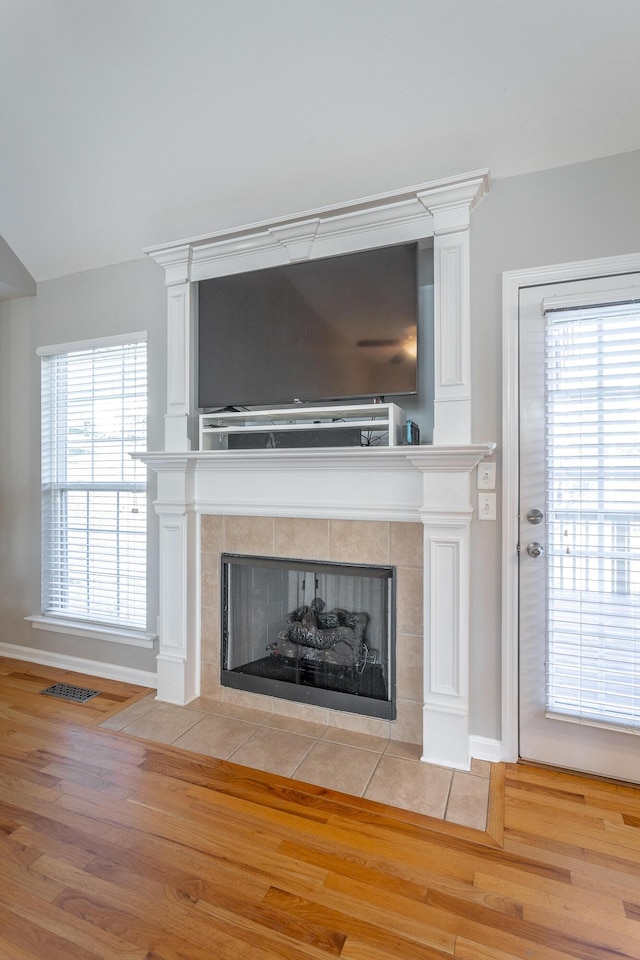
point(593, 514)
point(94, 500)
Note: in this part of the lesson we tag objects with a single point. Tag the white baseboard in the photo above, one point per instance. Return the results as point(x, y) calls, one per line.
point(482, 748)
point(109, 671)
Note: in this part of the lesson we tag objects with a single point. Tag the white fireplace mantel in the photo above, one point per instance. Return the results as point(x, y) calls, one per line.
point(430, 484)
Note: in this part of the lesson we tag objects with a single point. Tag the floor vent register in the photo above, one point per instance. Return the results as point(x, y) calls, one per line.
point(66, 691)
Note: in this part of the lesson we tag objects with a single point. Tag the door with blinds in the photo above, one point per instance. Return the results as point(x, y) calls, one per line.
point(579, 549)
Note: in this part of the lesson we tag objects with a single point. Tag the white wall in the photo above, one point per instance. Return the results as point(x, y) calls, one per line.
point(121, 299)
point(570, 213)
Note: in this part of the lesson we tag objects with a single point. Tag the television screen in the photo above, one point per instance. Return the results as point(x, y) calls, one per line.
point(334, 329)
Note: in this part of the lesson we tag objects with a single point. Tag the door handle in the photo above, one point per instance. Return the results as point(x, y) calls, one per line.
point(535, 549)
point(535, 516)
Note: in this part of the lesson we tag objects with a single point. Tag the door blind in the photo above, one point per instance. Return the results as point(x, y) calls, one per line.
point(94, 498)
point(592, 381)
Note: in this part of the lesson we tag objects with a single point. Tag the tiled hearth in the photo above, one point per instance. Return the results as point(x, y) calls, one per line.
point(357, 755)
point(362, 765)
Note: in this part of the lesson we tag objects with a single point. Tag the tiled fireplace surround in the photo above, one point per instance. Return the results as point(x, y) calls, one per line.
point(341, 541)
point(407, 506)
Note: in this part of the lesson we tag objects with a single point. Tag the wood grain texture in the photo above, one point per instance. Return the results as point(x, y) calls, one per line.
point(113, 848)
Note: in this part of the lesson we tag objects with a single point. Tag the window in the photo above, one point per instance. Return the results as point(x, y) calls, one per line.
point(94, 495)
point(593, 513)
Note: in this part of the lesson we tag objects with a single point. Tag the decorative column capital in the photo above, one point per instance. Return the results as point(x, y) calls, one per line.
point(450, 203)
point(176, 261)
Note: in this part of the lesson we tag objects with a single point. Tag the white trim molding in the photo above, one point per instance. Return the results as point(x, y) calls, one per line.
point(96, 343)
point(93, 631)
point(484, 748)
point(94, 668)
point(512, 283)
point(393, 217)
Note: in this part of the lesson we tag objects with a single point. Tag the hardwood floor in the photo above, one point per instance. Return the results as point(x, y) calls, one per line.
point(122, 849)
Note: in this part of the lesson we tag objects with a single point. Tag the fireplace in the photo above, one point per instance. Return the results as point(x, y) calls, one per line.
point(345, 545)
point(310, 631)
point(205, 499)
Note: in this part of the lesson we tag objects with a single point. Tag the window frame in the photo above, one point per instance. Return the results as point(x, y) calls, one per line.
point(75, 624)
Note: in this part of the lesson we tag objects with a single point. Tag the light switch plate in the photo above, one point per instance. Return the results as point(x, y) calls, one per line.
point(486, 476)
point(486, 506)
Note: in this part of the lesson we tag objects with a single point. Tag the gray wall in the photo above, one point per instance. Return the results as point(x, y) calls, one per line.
point(571, 213)
point(568, 213)
point(118, 299)
point(15, 279)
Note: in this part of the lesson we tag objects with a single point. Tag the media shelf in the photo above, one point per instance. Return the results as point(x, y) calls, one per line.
point(355, 425)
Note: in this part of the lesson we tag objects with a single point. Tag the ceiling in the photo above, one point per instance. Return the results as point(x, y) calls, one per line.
point(129, 123)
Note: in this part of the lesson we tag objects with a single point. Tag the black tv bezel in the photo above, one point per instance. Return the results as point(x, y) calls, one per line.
point(323, 398)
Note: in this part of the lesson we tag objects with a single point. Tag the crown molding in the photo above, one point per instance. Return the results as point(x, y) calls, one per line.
point(412, 213)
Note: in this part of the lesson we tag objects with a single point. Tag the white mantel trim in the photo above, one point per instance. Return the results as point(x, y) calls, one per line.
point(217, 482)
point(453, 458)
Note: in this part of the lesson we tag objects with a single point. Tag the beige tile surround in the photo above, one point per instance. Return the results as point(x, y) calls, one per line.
point(343, 541)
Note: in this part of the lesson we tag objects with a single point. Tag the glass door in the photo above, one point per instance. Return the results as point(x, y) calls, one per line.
point(580, 526)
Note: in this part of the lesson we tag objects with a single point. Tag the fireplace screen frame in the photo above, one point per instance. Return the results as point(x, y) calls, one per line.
point(363, 705)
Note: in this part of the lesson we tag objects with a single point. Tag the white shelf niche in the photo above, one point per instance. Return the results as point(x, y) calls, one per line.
point(376, 424)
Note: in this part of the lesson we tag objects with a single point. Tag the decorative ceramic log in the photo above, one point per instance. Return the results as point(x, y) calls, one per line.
point(334, 637)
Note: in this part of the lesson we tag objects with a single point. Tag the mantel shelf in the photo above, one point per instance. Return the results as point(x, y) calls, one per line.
point(439, 459)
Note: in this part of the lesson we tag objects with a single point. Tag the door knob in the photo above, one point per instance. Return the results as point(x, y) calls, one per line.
point(535, 549)
point(535, 516)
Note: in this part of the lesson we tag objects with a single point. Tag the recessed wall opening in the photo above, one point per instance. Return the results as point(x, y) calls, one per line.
point(310, 631)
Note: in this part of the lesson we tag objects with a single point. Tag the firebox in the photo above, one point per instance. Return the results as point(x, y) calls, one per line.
point(311, 631)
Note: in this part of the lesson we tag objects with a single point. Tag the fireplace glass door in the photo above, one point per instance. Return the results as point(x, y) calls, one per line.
point(315, 632)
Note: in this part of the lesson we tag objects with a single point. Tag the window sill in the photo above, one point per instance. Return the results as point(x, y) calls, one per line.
point(93, 631)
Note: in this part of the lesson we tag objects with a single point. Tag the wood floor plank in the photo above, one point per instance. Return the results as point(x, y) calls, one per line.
point(27, 878)
point(547, 894)
point(468, 950)
point(145, 937)
point(57, 927)
point(39, 842)
point(355, 949)
point(13, 951)
point(405, 939)
point(39, 942)
point(449, 917)
point(113, 848)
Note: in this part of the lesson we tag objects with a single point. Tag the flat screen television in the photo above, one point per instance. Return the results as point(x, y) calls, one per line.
point(341, 328)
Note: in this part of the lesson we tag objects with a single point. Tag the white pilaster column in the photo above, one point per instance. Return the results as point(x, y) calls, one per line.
point(445, 714)
point(178, 660)
point(450, 208)
point(178, 426)
point(446, 515)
